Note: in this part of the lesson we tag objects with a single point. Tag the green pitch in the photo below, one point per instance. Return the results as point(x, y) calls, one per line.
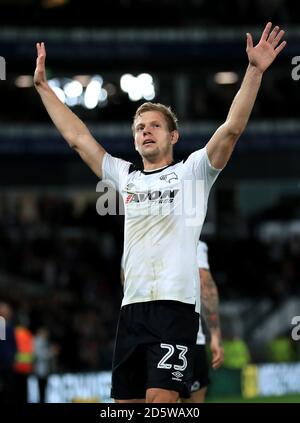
point(284, 398)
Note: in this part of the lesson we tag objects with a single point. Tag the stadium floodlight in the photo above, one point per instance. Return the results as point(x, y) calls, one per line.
point(54, 82)
point(138, 87)
point(24, 81)
point(83, 79)
point(60, 93)
point(73, 89)
point(226, 78)
point(103, 95)
point(92, 94)
point(127, 82)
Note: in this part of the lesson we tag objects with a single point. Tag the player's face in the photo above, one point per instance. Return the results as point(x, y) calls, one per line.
point(153, 139)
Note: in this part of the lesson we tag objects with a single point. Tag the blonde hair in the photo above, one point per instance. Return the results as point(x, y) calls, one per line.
point(166, 111)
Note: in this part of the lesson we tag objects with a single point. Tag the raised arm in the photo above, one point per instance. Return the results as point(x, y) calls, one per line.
point(221, 145)
point(210, 313)
point(69, 125)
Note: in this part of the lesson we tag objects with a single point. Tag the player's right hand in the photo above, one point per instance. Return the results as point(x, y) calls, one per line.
point(217, 351)
point(40, 71)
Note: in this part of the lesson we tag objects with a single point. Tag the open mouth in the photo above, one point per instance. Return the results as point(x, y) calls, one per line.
point(148, 141)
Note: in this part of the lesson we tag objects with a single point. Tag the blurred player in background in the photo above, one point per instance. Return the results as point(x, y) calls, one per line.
point(210, 313)
point(158, 323)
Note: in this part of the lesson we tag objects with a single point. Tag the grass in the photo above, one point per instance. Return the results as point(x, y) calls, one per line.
point(280, 399)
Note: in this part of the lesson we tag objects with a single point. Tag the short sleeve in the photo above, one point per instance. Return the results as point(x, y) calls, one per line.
point(202, 168)
point(202, 255)
point(115, 170)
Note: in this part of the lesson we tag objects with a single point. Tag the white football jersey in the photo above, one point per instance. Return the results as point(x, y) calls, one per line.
point(202, 259)
point(164, 213)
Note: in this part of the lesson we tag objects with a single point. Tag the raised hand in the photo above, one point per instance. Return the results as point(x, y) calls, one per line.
point(40, 71)
point(263, 54)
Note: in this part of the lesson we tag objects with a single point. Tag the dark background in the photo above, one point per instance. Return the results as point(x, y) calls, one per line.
point(59, 260)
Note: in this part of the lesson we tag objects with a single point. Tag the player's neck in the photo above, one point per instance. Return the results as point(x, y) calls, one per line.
point(157, 165)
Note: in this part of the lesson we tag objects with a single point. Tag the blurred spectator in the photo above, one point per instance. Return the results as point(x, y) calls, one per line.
point(23, 361)
point(8, 349)
point(44, 358)
point(236, 353)
point(280, 350)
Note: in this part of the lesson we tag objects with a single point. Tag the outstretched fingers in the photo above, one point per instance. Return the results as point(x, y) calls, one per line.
point(38, 48)
point(277, 38)
point(274, 37)
point(273, 34)
point(249, 41)
point(266, 31)
point(40, 73)
point(280, 47)
point(41, 51)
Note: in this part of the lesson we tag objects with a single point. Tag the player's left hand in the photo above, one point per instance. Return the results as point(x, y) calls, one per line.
point(40, 70)
point(217, 351)
point(263, 54)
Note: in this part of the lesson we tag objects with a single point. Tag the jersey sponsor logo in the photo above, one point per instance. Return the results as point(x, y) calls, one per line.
point(130, 188)
point(169, 177)
point(128, 198)
point(153, 196)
